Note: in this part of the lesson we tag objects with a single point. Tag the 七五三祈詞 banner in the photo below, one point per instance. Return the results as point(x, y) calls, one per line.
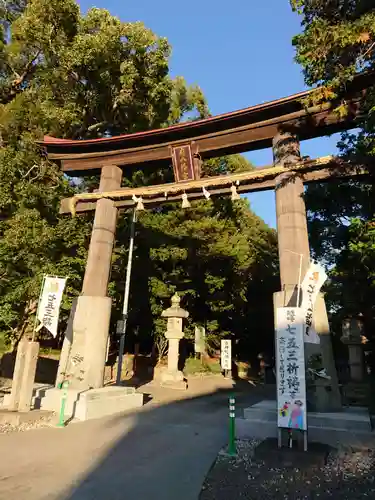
point(290, 365)
point(49, 303)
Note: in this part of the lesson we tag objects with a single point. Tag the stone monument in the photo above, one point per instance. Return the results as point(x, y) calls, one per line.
point(356, 391)
point(20, 398)
point(171, 376)
point(352, 329)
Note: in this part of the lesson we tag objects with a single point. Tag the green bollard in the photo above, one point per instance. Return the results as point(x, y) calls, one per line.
point(64, 387)
point(232, 427)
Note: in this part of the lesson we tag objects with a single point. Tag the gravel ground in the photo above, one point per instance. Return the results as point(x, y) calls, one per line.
point(45, 421)
point(341, 474)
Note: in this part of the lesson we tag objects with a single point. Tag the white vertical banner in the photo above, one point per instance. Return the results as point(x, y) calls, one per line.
point(226, 354)
point(49, 303)
point(290, 366)
point(314, 280)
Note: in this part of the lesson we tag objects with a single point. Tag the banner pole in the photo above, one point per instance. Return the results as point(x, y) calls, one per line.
point(299, 279)
point(37, 311)
point(125, 306)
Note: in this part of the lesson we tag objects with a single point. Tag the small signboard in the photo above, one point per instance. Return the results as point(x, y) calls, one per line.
point(226, 354)
point(183, 163)
point(290, 365)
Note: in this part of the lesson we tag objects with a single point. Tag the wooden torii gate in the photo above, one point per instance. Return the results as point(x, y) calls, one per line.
point(280, 124)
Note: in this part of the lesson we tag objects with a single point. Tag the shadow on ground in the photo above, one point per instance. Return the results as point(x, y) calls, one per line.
point(167, 452)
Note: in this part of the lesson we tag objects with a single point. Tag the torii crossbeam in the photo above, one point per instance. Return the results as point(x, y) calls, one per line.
point(259, 179)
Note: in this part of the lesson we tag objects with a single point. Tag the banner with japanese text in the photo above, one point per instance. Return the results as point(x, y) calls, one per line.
point(290, 366)
point(226, 354)
point(49, 304)
point(310, 287)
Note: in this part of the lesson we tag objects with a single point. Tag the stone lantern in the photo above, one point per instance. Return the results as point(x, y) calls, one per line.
point(352, 331)
point(172, 376)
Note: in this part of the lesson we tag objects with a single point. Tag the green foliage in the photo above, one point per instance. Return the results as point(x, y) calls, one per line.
point(68, 75)
point(337, 42)
point(3, 344)
point(194, 366)
point(211, 254)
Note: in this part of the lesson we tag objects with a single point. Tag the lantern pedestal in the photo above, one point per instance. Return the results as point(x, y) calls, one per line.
point(171, 376)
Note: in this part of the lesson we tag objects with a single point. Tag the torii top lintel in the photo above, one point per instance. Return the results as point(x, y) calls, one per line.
point(244, 130)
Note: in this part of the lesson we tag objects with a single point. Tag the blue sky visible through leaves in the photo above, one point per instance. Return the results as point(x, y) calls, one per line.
point(239, 52)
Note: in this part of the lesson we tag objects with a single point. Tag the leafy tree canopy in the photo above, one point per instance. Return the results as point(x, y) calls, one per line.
point(67, 75)
point(215, 254)
point(338, 42)
point(84, 76)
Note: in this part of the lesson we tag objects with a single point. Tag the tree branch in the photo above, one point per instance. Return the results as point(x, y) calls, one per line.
point(96, 126)
point(16, 85)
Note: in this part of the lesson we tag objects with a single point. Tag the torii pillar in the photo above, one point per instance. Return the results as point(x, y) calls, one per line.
point(293, 242)
point(85, 346)
point(84, 353)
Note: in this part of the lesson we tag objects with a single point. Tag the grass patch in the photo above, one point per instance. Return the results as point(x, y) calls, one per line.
point(48, 352)
point(194, 366)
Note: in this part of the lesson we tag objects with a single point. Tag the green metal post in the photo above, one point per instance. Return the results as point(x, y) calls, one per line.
point(232, 426)
point(64, 387)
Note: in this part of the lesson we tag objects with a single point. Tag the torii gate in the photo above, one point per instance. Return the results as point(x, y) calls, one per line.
point(280, 124)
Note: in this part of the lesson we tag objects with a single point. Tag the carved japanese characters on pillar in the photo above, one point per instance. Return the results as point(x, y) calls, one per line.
point(186, 162)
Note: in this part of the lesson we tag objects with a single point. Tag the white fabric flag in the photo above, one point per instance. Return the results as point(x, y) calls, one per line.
point(49, 305)
point(310, 287)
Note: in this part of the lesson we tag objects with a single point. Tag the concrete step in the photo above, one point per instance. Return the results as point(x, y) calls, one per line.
point(350, 419)
point(38, 392)
point(93, 403)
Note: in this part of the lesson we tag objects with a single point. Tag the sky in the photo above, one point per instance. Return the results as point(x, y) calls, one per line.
point(239, 52)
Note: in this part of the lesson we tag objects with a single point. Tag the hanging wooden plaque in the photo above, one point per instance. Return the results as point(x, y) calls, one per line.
point(185, 166)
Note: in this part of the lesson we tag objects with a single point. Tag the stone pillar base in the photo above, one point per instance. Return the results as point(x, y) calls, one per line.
point(173, 379)
point(23, 376)
point(14, 397)
point(87, 357)
point(87, 405)
point(28, 377)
